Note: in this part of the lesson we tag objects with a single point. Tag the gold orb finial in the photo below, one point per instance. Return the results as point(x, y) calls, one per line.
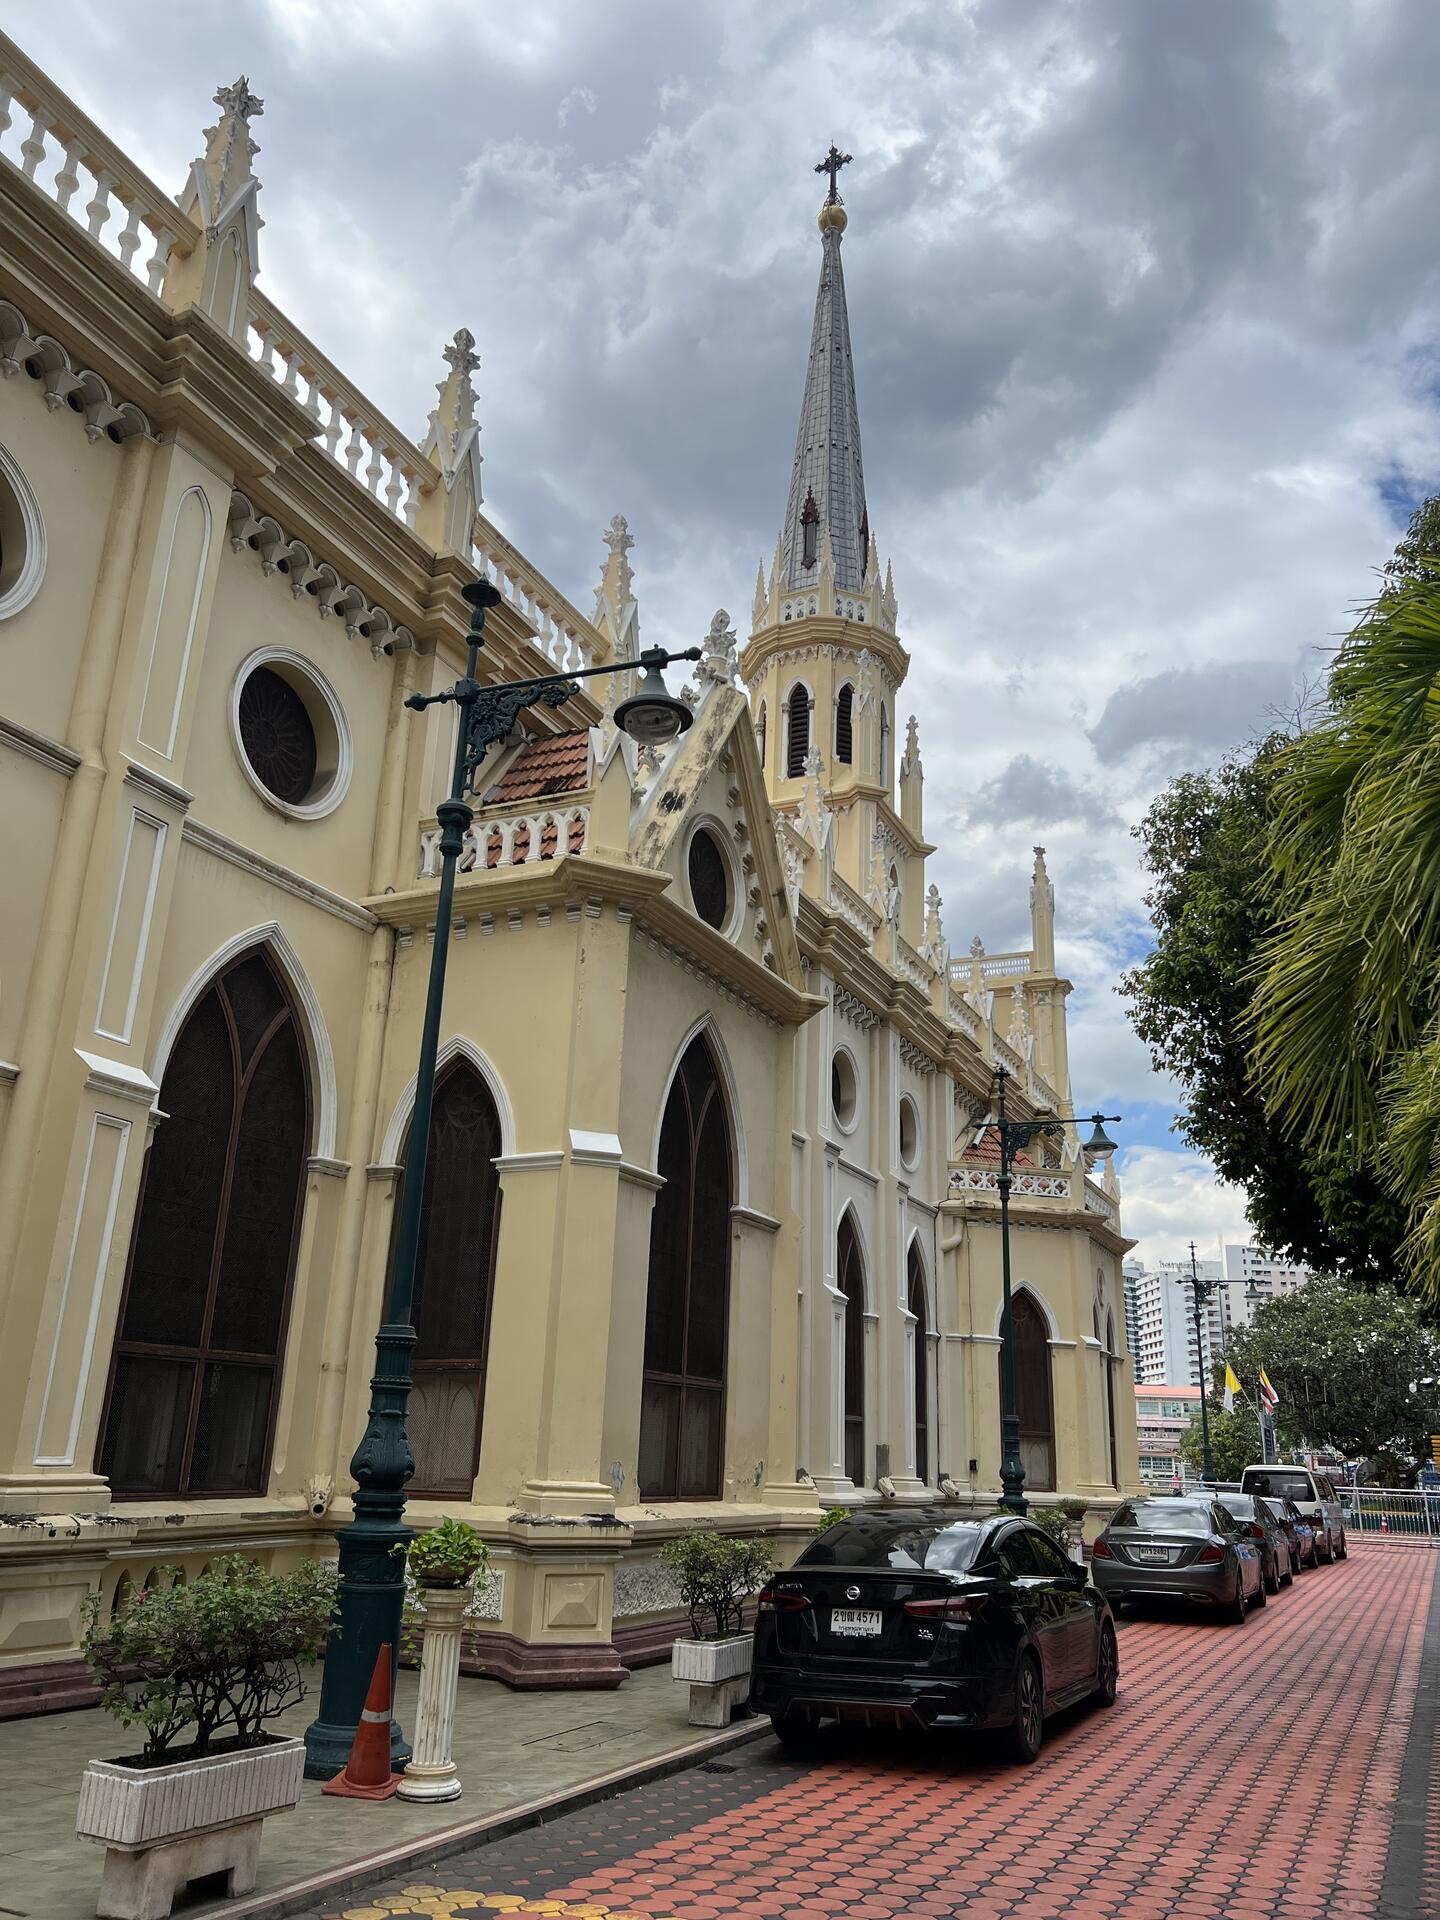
point(832, 218)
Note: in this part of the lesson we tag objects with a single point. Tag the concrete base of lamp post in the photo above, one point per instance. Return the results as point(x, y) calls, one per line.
point(431, 1772)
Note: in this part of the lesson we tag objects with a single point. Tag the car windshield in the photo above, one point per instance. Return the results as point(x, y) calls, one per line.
point(1163, 1516)
point(1283, 1485)
point(944, 1547)
point(1240, 1504)
point(1276, 1509)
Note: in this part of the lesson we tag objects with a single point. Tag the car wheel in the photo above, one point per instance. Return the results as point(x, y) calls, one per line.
point(1342, 1552)
point(1270, 1582)
point(795, 1733)
point(1021, 1739)
point(1329, 1554)
point(1262, 1592)
point(1107, 1668)
point(1289, 1571)
point(1235, 1612)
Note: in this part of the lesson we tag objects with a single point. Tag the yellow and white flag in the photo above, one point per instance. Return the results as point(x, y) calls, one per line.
point(1232, 1387)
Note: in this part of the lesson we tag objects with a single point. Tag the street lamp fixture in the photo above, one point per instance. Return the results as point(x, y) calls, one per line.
point(1015, 1135)
point(372, 1573)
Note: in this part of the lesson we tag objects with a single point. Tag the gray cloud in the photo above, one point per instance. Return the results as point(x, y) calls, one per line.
point(1201, 709)
point(1029, 790)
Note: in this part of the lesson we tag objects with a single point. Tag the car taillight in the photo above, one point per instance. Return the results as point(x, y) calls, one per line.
point(1102, 1551)
point(780, 1600)
point(1255, 1530)
point(956, 1606)
point(1211, 1553)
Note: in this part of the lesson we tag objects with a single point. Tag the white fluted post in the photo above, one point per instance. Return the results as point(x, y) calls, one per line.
point(431, 1773)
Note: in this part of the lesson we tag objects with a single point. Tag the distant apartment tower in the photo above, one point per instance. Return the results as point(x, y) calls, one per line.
point(1166, 1345)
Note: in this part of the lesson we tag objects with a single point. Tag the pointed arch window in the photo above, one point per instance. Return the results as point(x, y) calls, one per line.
point(1033, 1400)
point(682, 1404)
point(195, 1372)
point(850, 1280)
point(885, 744)
point(916, 1301)
point(454, 1282)
point(760, 735)
point(1111, 1362)
point(809, 530)
point(844, 724)
point(797, 744)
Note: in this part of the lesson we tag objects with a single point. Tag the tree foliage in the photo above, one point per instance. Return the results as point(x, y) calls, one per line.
point(216, 1658)
point(1343, 1363)
point(1234, 1441)
point(1204, 845)
point(716, 1574)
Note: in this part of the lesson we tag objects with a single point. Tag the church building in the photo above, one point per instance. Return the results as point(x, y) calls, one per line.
point(711, 1222)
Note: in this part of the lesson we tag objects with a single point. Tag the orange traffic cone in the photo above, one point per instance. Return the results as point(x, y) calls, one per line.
point(367, 1774)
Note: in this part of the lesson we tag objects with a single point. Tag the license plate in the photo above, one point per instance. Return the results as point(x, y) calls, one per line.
point(1153, 1556)
point(858, 1621)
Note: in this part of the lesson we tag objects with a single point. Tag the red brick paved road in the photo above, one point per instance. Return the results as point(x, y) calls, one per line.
point(1248, 1772)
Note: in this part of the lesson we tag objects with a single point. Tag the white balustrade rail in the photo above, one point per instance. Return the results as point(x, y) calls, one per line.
point(963, 1015)
point(853, 910)
point(916, 969)
point(565, 637)
point(353, 432)
point(1007, 1056)
point(515, 839)
point(62, 152)
point(1033, 1186)
point(993, 966)
point(1099, 1202)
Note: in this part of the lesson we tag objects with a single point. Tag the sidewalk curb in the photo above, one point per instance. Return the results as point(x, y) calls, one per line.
point(424, 1850)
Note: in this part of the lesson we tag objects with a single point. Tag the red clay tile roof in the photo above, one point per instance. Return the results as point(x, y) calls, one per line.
point(985, 1152)
point(555, 763)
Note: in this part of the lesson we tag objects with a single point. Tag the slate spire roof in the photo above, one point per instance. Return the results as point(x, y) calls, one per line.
point(828, 471)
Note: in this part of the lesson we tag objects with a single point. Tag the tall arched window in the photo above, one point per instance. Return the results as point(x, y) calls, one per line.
point(454, 1282)
point(760, 735)
point(850, 1279)
point(916, 1302)
point(682, 1406)
point(1111, 1362)
point(194, 1378)
point(797, 743)
point(885, 777)
point(844, 731)
point(1032, 1391)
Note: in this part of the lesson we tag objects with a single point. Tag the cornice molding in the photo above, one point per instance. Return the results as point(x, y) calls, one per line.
point(209, 840)
point(35, 746)
point(156, 788)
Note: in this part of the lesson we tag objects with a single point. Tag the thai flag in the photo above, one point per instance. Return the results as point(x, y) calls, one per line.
point(1267, 1393)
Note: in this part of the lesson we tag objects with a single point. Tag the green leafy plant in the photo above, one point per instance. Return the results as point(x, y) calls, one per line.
point(715, 1575)
point(215, 1659)
point(1054, 1521)
point(831, 1517)
point(447, 1555)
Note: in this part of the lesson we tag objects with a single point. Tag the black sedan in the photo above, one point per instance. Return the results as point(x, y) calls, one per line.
point(1297, 1530)
point(919, 1619)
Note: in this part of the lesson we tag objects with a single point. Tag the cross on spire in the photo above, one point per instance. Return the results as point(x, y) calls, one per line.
point(832, 164)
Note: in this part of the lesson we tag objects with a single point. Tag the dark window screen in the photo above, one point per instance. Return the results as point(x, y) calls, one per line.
point(797, 747)
point(843, 725)
point(760, 735)
point(195, 1369)
point(1032, 1392)
point(1110, 1365)
point(709, 880)
point(850, 1279)
point(454, 1282)
point(277, 736)
point(682, 1405)
point(922, 1366)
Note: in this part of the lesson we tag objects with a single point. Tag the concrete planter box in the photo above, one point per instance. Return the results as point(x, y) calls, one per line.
point(163, 1826)
point(719, 1676)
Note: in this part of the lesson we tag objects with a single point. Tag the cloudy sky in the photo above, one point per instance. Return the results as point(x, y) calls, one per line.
point(1144, 306)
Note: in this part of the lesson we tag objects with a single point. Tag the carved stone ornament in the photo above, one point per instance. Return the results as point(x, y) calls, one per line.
point(721, 662)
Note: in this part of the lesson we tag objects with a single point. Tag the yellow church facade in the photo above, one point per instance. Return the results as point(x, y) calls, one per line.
point(710, 1227)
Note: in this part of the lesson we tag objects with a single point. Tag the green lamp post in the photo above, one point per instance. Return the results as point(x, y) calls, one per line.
point(1200, 1291)
point(372, 1574)
point(1015, 1135)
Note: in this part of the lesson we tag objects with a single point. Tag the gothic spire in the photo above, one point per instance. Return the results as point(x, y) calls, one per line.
point(827, 481)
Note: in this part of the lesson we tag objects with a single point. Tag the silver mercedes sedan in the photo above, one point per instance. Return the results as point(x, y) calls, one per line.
point(1184, 1547)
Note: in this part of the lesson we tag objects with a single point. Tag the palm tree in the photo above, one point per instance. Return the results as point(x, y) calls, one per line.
point(1345, 1020)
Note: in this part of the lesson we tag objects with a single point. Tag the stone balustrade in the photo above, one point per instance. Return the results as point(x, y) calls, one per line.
point(62, 152)
point(565, 638)
point(992, 966)
point(916, 969)
point(353, 432)
point(845, 902)
point(1024, 1185)
point(963, 1015)
point(1097, 1201)
point(511, 839)
point(1006, 1056)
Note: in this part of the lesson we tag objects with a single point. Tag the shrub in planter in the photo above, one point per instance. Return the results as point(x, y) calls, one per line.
point(203, 1667)
point(1052, 1520)
point(716, 1575)
point(448, 1555)
point(831, 1517)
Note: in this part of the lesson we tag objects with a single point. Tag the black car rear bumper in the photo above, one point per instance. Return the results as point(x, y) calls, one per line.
point(952, 1702)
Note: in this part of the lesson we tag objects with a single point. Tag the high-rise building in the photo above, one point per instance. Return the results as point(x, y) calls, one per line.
point(1166, 1344)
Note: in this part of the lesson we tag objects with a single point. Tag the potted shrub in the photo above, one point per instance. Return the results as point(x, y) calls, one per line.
point(716, 1575)
point(443, 1562)
point(200, 1669)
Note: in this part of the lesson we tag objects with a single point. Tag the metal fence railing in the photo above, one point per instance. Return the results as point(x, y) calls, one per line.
point(1390, 1513)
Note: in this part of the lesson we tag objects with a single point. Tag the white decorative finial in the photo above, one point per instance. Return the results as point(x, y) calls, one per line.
point(721, 661)
point(460, 355)
point(617, 536)
point(239, 100)
point(977, 948)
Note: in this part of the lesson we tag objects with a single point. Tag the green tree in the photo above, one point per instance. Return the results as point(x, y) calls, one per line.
point(1234, 1441)
point(1343, 1363)
point(1346, 1012)
point(1417, 557)
point(1204, 845)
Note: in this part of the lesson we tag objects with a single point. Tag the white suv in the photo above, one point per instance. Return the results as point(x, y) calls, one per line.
point(1313, 1494)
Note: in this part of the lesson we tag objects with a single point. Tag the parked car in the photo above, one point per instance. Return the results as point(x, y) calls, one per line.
point(1184, 1549)
point(1249, 1510)
point(1313, 1493)
point(1297, 1530)
point(917, 1619)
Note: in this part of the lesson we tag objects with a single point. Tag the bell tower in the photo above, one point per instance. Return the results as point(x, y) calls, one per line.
point(823, 666)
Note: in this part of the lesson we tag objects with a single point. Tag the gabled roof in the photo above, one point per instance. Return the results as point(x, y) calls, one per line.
point(985, 1152)
point(554, 763)
point(827, 481)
